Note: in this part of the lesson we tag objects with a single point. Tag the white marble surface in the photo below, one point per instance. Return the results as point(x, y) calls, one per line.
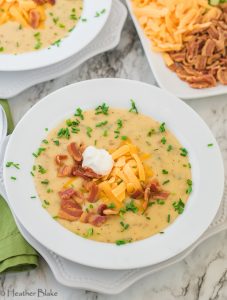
point(203, 274)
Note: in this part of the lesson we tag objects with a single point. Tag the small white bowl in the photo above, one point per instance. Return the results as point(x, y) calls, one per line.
point(188, 127)
point(79, 38)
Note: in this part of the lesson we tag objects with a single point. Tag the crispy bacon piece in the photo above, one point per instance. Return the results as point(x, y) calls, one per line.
point(59, 158)
point(222, 76)
point(93, 193)
point(97, 220)
point(42, 2)
point(109, 212)
point(200, 61)
point(34, 18)
point(156, 191)
point(137, 194)
point(75, 151)
point(65, 216)
point(85, 173)
point(84, 218)
point(67, 194)
point(101, 208)
point(64, 171)
point(70, 207)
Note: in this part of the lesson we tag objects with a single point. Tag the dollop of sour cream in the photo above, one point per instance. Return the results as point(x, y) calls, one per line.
point(99, 160)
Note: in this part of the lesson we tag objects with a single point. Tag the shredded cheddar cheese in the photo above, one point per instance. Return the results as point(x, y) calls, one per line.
point(128, 175)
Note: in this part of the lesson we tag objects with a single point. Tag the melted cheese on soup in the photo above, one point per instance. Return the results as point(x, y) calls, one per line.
point(109, 130)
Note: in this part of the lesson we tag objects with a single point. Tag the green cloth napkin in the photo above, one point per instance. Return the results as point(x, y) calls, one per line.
point(15, 253)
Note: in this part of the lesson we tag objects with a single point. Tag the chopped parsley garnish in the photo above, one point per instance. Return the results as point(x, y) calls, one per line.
point(46, 202)
point(46, 129)
point(168, 218)
point(169, 148)
point(33, 197)
point(162, 127)
point(13, 178)
point(70, 123)
point(111, 205)
point(150, 203)
point(95, 142)
point(184, 152)
point(119, 124)
point(45, 181)
point(165, 182)
point(79, 113)
point(124, 137)
point(210, 145)
point(57, 43)
point(133, 107)
point(124, 226)
point(56, 142)
point(189, 189)
point(89, 131)
point(150, 132)
point(12, 164)
point(75, 129)
point(45, 141)
point(38, 44)
point(41, 170)
point(165, 171)
point(98, 14)
point(105, 133)
point(49, 191)
point(122, 242)
point(160, 202)
point(102, 109)
point(131, 207)
point(163, 140)
point(100, 124)
point(32, 173)
point(64, 132)
point(90, 232)
point(179, 206)
point(39, 151)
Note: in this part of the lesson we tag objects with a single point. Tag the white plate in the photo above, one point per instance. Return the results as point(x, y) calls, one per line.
point(207, 169)
point(167, 79)
point(80, 37)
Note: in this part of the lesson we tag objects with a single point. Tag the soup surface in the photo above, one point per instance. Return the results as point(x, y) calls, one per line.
point(25, 35)
point(143, 193)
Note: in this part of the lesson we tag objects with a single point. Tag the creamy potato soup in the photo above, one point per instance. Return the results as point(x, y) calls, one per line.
point(35, 24)
point(112, 175)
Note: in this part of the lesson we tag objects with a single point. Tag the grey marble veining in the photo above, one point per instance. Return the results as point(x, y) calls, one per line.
point(203, 274)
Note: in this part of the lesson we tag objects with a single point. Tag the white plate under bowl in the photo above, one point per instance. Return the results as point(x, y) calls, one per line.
point(207, 173)
point(80, 37)
point(167, 79)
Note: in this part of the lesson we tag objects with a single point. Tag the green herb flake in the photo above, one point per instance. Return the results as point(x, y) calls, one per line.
point(151, 203)
point(45, 141)
point(189, 189)
point(90, 232)
point(165, 182)
point(179, 206)
point(39, 151)
point(162, 127)
point(102, 109)
point(100, 124)
point(124, 137)
point(121, 242)
point(111, 205)
point(133, 107)
point(32, 173)
point(163, 140)
point(124, 226)
point(33, 197)
point(184, 152)
point(210, 145)
point(45, 181)
point(165, 171)
point(49, 191)
point(46, 202)
point(79, 113)
point(64, 132)
point(119, 124)
point(12, 164)
point(160, 202)
point(56, 142)
point(131, 207)
point(150, 132)
point(89, 131)
point(169, 148)
point(168, 218)
point(41, 170)
point(13, 178)
point(105, 133)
